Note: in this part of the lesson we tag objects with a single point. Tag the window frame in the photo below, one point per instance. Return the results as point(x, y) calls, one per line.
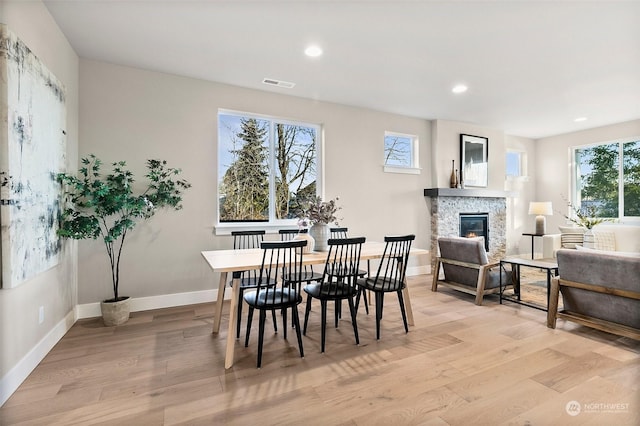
point(522, 164)
point(573, 189)
point(414, 168)
point(273, 224)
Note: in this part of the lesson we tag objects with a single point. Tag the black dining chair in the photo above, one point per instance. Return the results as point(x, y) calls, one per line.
point(308, 274)
point(342, 232)
point(338, 282)
point(390, 277)
point(282, 264)
point(244, 240)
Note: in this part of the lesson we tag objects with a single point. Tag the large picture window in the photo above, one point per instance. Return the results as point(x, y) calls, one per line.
point(607, 179)
point(265, 166)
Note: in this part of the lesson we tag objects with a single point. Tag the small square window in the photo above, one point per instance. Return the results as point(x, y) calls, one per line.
point(516, 164)
point(400, 153)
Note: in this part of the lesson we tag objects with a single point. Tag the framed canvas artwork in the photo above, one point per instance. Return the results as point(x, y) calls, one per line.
point(32, 153)
point(474, 160)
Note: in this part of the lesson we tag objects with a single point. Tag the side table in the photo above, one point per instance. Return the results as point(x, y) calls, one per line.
point(532, 237)
point(549, 265)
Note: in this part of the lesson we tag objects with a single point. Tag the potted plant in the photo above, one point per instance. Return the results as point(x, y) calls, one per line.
point(320, 214)
point(585, 217)
point(106, 206)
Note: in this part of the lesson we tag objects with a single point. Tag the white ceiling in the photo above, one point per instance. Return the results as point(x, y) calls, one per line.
point(531, 67)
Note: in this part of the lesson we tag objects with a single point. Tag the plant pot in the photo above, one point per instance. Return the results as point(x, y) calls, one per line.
point(589, 239)
point(321, 234)
point(115, 312)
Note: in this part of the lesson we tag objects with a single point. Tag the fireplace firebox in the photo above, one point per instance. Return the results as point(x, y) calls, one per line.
point(475, 225)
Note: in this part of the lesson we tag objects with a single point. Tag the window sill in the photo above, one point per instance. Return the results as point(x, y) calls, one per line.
point(405, 170)
point(269, 228)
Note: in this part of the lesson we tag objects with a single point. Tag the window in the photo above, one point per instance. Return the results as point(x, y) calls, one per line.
point(516, 164)
point(265, 166)
point(607, 179)
point(400, 153)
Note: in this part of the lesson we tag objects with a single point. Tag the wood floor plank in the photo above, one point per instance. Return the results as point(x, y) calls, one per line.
point(460, 364)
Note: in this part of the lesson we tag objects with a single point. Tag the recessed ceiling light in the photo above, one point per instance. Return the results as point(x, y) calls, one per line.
point(579, 119)
point(313, 51)
point(460, 88)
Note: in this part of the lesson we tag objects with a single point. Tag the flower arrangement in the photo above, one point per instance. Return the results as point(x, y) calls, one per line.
point(318, 211)
point(585, 216)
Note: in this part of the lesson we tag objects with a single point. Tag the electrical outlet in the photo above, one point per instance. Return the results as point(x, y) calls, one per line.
point(41, 315)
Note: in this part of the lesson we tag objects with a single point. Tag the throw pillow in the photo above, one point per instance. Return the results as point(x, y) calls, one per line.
point(613, 253)
point(604, 240)
point(571, 236)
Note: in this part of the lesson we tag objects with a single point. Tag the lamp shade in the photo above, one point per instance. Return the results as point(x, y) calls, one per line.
point(541, 209)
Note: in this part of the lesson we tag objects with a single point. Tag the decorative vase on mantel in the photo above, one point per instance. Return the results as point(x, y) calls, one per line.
point(453, 181)
point(320, 233)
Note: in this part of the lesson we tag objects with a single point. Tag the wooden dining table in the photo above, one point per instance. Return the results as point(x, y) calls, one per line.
point(225, 261)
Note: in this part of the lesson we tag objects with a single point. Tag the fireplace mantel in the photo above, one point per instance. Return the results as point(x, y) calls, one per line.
point(467, 192)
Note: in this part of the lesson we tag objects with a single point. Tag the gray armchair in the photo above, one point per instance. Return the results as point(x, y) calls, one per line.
point(467, 268)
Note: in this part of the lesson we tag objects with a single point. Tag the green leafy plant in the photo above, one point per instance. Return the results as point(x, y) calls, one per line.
point(585, 216)
point(106, 206)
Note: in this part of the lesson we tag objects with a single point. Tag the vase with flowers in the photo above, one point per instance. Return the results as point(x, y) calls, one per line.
point(320, 214)
point(585, 217)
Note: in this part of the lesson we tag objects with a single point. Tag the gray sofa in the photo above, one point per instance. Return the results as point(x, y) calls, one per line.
point(599, 290)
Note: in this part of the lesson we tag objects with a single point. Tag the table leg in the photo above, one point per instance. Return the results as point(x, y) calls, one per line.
point(218, 313)
point(532, 245)
point(407, 305)
point(231, 335)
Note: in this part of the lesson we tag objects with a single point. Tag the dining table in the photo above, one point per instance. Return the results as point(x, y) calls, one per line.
point(232, 261)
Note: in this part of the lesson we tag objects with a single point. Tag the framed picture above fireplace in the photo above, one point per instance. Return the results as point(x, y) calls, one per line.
point(474, 160)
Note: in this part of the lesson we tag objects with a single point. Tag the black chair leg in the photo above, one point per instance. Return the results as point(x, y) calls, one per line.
point(352, 309)
point(378, 313)
point(249, 321)
point(404, 314)
point(263, 317)
point(365, 299)
point(337, 312)
point(275, 323)
point(296, 322)
point(284, 322)
point(323, 322)
point(306, 315)
point(239, 311)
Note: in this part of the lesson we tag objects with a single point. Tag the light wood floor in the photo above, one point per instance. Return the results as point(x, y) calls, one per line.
point(460, 364)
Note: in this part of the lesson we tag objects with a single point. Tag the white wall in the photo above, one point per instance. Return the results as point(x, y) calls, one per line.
point(23, 341)
point(554, 161)
point(518, 219)
point(131, 114)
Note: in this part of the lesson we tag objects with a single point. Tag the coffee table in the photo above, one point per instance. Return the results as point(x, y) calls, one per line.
point(549, 265)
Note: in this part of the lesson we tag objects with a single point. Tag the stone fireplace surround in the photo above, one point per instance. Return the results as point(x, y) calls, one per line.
point(447, 204)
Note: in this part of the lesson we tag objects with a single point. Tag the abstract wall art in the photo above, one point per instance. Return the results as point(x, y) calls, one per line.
point(32, 153)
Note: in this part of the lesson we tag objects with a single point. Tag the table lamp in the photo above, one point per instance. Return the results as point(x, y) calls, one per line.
point(540, 209)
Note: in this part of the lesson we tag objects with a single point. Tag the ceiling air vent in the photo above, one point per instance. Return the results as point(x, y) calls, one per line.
point(274, 82)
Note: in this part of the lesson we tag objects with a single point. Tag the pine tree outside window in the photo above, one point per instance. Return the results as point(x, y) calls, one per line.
point(265, 165)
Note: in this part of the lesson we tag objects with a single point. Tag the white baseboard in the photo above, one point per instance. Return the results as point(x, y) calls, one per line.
point(14, 378)
point(90, 310)
point(418, 270)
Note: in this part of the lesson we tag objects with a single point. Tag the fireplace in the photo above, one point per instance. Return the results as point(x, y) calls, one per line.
point(475, 225)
